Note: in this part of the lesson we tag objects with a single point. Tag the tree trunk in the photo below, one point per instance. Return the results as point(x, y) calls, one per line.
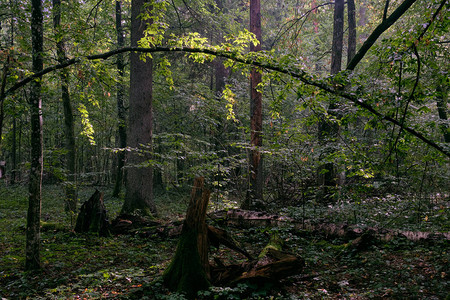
point(441, 101)
point(14, 151)
point(189, 270)
point(70, 184)
point(139, 188)
point(351, 15)
point(32, 259)
point(255, 194)
point(120, 105)
point(328, 131)
point(338, 37)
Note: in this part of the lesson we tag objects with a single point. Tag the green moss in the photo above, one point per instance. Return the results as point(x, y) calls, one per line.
point(52, 226)
point(275, 243)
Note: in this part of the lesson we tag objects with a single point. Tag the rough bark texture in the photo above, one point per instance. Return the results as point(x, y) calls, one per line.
point(139, 188)
point(255, 195)
point(92, 216)
point(441, 101)
point(351, 17)
point(32, 256)
point(2, 97)
point(189, 270)
point(120, 102)
point(338, 37)
point(69, 132)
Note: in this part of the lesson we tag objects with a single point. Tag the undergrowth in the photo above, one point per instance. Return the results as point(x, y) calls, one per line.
point(86, 266)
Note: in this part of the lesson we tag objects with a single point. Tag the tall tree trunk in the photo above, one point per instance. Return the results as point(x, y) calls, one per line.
point(139, 188)
point(328, 130)
point(338, 37)
point(14, 150)
point(32, 259)
point(120, 106)
point(255, 194)
point(441, 101)
point(69, 132)
point(351, 17)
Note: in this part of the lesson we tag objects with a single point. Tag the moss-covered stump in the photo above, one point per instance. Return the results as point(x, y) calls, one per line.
point(188, 271)
point(92, 216)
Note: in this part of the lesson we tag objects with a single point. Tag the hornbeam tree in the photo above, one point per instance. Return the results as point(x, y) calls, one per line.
point(32, 259)
point(120, 102)
point(70, 184)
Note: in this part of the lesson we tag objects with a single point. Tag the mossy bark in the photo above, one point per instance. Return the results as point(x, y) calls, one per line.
point(188, 272)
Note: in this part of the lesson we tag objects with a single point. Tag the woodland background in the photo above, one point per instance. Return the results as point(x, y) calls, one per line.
point(365, 145)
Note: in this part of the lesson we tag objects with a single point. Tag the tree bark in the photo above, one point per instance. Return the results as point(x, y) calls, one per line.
point(351, 17)
point(92, 216)
point(32, 259)
point(120, 103)
point(441, 101)
point(139, 185)
point(189, 270)
point(255, 195)
point(338, 37)
point(69, 132)
point(328, 130)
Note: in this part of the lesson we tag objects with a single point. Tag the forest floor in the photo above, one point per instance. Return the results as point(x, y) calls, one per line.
point(82, 266)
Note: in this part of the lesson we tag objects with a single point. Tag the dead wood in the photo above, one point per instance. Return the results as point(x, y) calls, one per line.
point(272, 265)
point(188, 271)
point(92, 216)
point(246, 219)
point(126, 224)
point(217, 236)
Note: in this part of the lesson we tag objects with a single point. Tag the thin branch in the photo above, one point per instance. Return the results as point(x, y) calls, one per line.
point(432, 19)
point(408, 101)
point(295, 21)
point(386, 7)
point(253, 61)
point(385, 24)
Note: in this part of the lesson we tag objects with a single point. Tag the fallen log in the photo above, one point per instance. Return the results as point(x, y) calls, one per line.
point(127, 224)
point(272, 265)
point(246, 219)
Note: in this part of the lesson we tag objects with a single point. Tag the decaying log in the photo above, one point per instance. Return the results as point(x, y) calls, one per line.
point(272, 264)
point(92, 216)
point(246, 219)
point(126, 224)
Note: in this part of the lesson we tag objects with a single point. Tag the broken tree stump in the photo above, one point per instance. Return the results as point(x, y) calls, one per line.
point(188, 271)
point(92, 216)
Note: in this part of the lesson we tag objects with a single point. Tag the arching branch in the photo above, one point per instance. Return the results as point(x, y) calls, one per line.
point(384, 25)
point(254, 60)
